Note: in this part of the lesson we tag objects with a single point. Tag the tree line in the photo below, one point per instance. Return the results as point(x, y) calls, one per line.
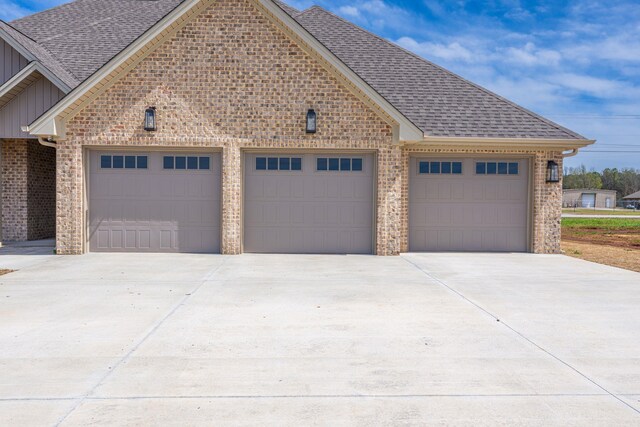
point(624, 181)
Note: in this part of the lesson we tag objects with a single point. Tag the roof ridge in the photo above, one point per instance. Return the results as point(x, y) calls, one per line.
point(477, 86)
point(45, 10)
point(38, 56)
point(8, 24)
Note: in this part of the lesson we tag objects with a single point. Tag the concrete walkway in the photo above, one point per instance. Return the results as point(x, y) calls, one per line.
point(423, 339)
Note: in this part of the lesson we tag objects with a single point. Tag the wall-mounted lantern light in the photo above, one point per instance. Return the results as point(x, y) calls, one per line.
point(553, 172)
point(150, 119)
point(311, 121)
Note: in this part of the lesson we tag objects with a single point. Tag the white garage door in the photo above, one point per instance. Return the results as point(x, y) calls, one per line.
point(588, 200)
point(308, 203)
point(154, 202)
point(468, 204)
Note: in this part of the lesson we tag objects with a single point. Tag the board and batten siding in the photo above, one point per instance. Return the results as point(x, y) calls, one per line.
point(12, 62)
point(28, 106)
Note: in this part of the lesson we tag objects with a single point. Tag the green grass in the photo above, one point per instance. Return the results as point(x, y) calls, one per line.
point(601, 223)
point(617, 212)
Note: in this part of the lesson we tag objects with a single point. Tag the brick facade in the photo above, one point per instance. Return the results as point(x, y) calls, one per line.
point(230, 80)
point(41, 187)
point(28, 190)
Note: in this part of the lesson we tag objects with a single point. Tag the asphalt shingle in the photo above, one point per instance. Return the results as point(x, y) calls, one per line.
point(82, 36)
point(439, 102)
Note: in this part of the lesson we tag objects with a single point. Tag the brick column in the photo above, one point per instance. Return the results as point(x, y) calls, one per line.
point(15, 190)
point(69, 198)
point(231, 200)
point(390, 177)
point(547, 206)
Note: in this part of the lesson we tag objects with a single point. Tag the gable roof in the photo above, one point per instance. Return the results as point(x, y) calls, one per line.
point(438, 101)
point(32, 51)
point(427, 97)
point(85, 34)
point(635, 195)
point(20, 81)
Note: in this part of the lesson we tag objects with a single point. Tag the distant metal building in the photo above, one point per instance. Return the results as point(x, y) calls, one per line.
point(589, 198)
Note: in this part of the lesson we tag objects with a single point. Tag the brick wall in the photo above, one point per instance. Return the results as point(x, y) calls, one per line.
point(231, 80)
point(41, 187)
point(28, 190)
point(547, 206)
point(14, 190)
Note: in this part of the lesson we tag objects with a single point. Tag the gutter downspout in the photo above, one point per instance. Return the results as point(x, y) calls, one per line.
point(48, 142)
point(572, 153)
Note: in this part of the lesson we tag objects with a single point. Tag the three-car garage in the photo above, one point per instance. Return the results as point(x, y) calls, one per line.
point(302, 202)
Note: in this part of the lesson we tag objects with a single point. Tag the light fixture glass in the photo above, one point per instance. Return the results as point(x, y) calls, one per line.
point(553, 171)
point(150, 119)
point(311, 121)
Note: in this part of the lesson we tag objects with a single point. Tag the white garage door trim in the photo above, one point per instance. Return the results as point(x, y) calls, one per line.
point(88, 151)
point(415, 158)
point(370, 155)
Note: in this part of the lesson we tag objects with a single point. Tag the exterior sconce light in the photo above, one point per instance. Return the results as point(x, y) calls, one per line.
point(150, 119)
point(553, 173)
point(311, 121)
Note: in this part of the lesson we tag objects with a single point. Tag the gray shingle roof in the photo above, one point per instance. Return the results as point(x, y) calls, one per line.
point(86, 34)
point(41, 54)
point(635, 195)
point(439, 102)
point(290, 10)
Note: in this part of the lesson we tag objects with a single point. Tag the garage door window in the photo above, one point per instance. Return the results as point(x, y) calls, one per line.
point(497, 168)
point(440, 168)
point(342, 164)
point(279, 163)
point(186, 163)
point(123, 162)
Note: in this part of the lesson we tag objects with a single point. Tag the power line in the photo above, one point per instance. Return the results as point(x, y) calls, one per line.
point(597, 116)
point(608, 151)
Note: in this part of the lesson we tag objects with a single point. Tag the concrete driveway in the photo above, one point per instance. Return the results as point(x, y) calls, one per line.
point(480, 339)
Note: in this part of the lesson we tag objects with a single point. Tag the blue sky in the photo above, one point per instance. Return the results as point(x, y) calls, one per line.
point(576, 62)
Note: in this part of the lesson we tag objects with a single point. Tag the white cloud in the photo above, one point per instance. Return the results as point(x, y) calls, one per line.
point(453, 51)
point(349, 11)
point(529, 55)
point(594, 86)
point(10, 10)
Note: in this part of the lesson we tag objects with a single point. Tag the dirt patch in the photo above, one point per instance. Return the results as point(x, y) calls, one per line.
point(622, 257)
point(614, 242)
point(3, 272)
point(625, 238)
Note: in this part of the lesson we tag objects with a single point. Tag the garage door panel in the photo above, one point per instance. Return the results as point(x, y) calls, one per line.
point(466, 211)
point(153, 209)
point(316, 211)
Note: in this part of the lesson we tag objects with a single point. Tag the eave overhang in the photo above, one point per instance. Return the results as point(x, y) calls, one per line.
point(479, 143)
point(24, 78)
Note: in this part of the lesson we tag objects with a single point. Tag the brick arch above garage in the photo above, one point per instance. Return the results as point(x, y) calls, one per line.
point(229, 74)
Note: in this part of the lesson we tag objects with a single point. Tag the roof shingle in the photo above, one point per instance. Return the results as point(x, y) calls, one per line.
point(85, 34)
point(434, 99)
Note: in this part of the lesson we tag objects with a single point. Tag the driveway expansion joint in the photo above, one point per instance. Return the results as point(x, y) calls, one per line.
point(518, 333)
point(112, 368)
